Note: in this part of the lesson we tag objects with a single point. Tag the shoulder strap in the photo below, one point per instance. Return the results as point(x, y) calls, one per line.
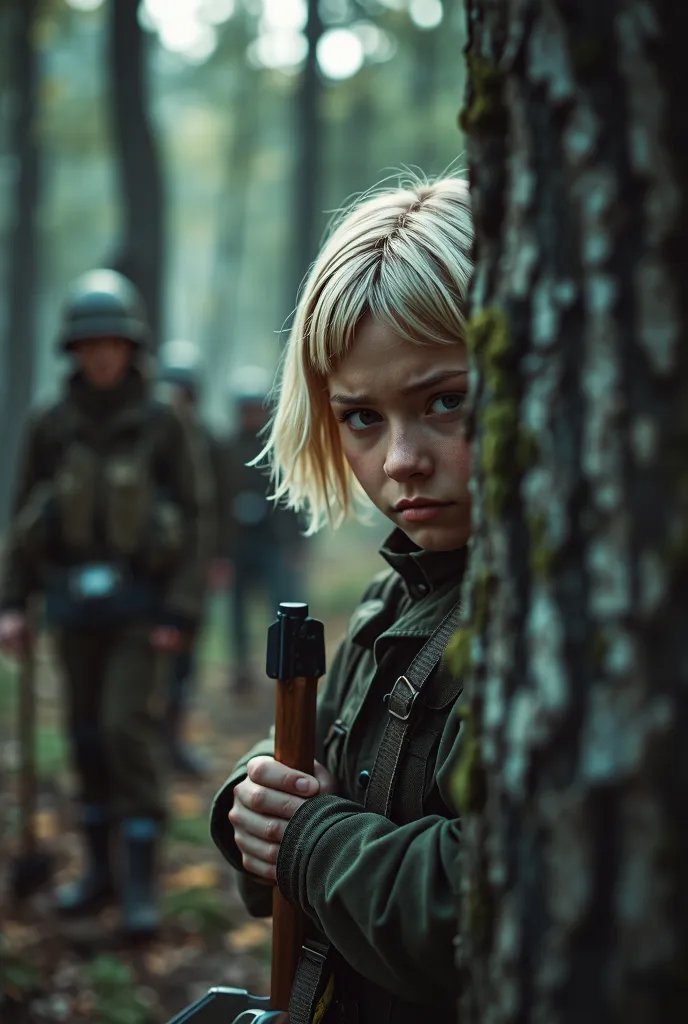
point(401, 703)
point(314, 967)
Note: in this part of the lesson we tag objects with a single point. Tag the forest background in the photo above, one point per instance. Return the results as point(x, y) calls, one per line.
point(203, 146)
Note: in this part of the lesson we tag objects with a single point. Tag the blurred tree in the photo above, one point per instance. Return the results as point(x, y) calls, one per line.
point(574, 782)
point(18, 18)
point(140, 253)
point(232, 201)
point(308, 185)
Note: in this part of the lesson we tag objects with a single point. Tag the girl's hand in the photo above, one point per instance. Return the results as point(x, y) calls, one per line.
point(263, 805)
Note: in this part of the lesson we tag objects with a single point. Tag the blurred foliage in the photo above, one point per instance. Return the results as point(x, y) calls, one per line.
point(189, 830)
point(199, 909)
point(18, 975)
point(116, 997)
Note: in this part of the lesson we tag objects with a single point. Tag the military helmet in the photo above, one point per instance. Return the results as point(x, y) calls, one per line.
point(180, 364)
point(249, 384)
point(103, 304)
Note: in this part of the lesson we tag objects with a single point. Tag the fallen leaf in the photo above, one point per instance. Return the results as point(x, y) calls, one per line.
point(187, 805)
point(194, 876)
point(249, 936)
point(19, 935)
point(160, 964)
point(46, 825)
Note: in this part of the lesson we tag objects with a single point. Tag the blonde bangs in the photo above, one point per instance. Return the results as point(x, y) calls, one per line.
point(402, 256)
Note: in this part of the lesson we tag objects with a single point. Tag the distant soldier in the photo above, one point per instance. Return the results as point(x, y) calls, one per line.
point(264, 541)
point(106, 527)
point(179, 373)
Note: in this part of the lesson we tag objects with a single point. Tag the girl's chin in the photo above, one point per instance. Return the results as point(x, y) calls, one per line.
point(436, 537)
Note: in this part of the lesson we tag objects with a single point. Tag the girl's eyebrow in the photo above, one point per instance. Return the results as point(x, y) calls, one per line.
point(337, 398)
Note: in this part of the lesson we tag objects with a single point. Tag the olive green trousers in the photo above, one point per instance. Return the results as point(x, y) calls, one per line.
point(112, 681)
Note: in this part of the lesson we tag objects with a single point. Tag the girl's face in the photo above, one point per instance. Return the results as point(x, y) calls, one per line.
point(399, 410)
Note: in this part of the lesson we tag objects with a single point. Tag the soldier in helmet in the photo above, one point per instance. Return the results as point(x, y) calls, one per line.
point(264, 541)
point(179, 377)
point(106, 528)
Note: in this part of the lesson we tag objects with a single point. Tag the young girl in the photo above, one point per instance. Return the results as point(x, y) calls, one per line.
point(374, 380)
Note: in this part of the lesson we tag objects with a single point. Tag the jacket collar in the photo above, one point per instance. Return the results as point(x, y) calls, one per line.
point(107, 413)
point(423, 572)
point(101, 406)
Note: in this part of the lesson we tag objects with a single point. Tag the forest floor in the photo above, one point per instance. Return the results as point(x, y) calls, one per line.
point(51, 970)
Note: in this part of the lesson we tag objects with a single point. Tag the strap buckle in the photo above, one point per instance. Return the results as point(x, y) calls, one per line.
point(405, 698)
point(314, 950)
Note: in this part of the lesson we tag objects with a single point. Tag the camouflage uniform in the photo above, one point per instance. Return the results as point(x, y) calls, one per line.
point(106, 527)
point(382, 889)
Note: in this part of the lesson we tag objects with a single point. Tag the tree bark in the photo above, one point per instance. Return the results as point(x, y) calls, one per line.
point(140, 253)
point(575, 777)
point(20, 335)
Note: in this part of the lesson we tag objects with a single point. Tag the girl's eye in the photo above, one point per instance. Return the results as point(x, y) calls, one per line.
point(449, 402)
point(359, 419)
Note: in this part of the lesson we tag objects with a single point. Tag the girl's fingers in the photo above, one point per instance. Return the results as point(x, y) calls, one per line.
point(266, 872)
point(267, 772)
point(271, 802)
point(268, 829)
point(257, 848)
point(327, 783)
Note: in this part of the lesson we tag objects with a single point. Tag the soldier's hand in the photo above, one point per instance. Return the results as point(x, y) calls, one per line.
point(14, 634)
point(263, 805)
point(167, 639)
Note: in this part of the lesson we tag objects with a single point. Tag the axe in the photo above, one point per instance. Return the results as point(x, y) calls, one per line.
point(296, 659)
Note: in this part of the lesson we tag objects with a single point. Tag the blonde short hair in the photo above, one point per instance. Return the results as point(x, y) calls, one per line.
point(401, 256)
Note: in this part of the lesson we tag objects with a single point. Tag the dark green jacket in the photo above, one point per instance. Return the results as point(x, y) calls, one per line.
point(383, 891)
point(95, 440)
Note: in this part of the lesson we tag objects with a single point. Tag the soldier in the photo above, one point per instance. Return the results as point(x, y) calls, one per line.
point(105, 526)
point(180, 371)
point(264, 542)
point(375, 377)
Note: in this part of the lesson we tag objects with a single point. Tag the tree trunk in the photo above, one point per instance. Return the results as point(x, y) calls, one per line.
point(222, 322)
point(574, 783)
point(141, 249)
point(20, 336)
point(308, 166)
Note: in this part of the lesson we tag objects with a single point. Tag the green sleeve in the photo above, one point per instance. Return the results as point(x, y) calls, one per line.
point(385, 895)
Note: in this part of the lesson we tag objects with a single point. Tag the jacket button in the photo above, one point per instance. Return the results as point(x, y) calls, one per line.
point(422, 588)
point(364, 779)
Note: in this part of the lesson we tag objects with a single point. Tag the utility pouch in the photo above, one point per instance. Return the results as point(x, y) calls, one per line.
point(127, 502)
point(94, 582)
point(75, 491)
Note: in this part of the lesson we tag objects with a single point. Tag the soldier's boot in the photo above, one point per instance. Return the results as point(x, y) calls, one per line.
point(95, 888)
point(140, 915)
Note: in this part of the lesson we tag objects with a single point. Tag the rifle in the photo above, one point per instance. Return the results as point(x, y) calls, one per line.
point(296, 659)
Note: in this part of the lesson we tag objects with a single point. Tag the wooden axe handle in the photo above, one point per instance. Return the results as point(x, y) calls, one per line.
point(294, 747)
